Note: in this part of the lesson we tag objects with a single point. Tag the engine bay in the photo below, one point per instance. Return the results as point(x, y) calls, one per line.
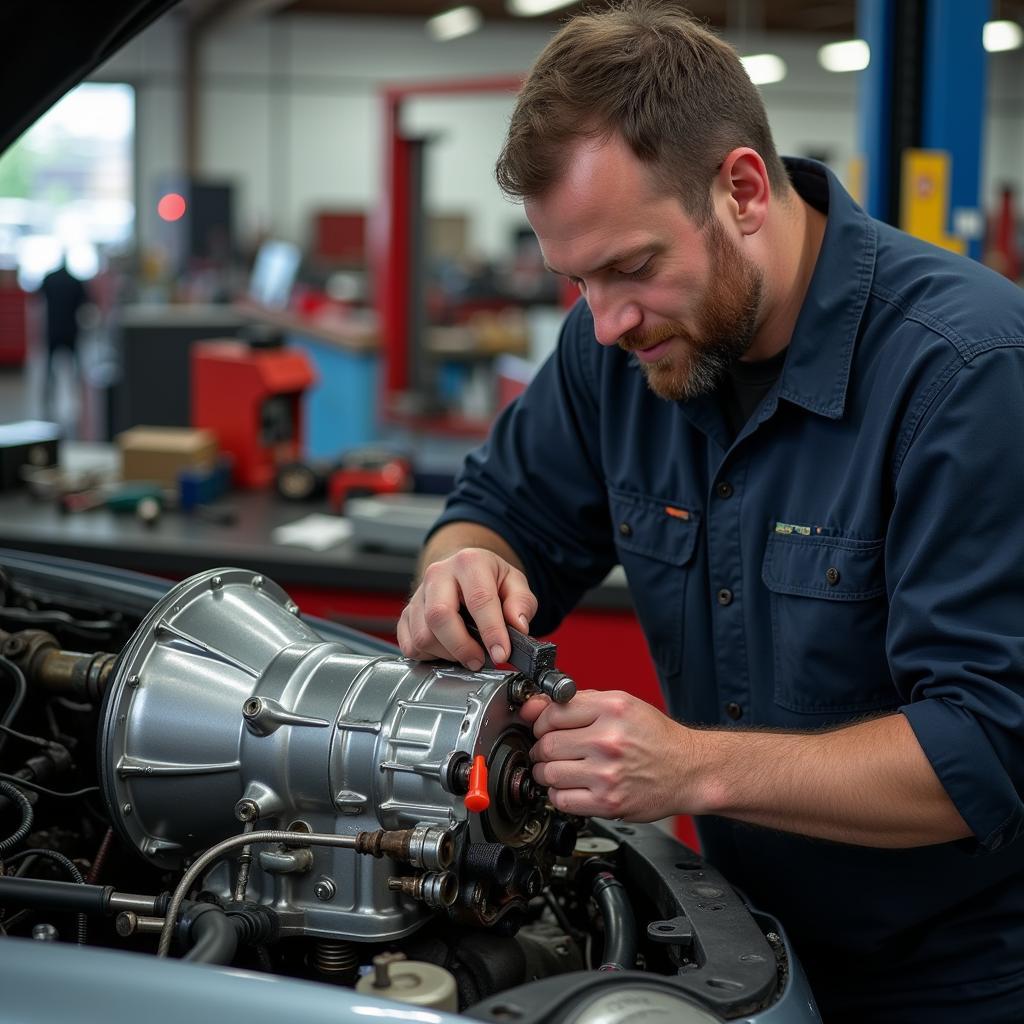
point(198, 772)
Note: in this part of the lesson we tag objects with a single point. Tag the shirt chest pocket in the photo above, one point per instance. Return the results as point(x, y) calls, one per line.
point(656, 541)
point(829, 615)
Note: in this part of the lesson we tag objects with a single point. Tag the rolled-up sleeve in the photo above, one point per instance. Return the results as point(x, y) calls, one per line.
point(537, 481)
point(955, 574)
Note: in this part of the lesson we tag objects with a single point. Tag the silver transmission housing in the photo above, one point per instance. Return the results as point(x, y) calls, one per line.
point(225, 706)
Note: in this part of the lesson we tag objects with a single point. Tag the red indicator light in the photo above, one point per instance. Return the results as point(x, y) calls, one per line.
point(171, 206)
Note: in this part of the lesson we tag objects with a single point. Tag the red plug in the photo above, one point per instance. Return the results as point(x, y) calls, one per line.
point(477, 799)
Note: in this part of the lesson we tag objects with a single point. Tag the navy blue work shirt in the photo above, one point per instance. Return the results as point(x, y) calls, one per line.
point(858, 549)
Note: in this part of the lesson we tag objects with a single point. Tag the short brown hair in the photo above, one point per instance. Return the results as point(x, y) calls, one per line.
point(676, 93)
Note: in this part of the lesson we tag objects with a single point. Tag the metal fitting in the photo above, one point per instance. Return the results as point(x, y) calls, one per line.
point(558, 686)
point(252, 707)
point(126, 923)
point(325, 890)
point(129, 923)
point(247, 810)
point(286, 862)
point(132, 902)
point(438, 890)
point(522, 790)
point(425, 846)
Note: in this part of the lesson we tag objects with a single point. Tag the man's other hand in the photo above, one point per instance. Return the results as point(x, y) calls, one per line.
point(609, 755)
point(493, 591)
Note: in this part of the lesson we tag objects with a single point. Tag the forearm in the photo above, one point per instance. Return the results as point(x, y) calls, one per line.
point(453, 537)
point(869, 784)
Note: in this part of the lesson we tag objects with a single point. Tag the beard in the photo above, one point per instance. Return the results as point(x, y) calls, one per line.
point(726, 319)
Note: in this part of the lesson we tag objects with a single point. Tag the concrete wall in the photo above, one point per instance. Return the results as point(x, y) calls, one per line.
point(290, 113)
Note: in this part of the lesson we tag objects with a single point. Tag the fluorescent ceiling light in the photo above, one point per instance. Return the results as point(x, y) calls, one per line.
point(764, 68)
point(1002, 35)
point(459, 21)
point(531, 8)
point(850, 55)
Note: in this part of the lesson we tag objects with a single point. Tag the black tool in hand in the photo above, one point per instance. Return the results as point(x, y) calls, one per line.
point(535, 659)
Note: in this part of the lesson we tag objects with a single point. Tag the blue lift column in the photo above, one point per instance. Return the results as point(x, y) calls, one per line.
point(921, 117)
point(955, 79)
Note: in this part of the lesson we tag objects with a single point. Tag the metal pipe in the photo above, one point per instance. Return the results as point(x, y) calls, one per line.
point(244, 864)
point(130, 923)
point(205, 860)
point(130, 901)
point(68, 672)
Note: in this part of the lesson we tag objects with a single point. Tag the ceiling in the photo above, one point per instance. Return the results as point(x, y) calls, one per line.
point(826, 16)
point(834, 17)
point(783, 15)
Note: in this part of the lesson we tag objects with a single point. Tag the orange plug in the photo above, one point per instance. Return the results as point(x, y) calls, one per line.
point(477, 798)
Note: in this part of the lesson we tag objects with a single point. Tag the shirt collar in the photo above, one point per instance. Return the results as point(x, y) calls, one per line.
point(817, 369)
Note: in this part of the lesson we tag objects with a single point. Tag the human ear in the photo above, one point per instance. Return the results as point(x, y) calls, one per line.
point(743, 189)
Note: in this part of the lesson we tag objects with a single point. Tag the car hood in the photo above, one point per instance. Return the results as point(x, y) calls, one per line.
point(51, 45)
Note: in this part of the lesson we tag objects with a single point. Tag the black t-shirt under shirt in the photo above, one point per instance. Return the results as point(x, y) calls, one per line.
point(745, 385)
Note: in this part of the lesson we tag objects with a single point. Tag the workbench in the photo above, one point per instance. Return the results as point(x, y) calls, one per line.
point(600, 644)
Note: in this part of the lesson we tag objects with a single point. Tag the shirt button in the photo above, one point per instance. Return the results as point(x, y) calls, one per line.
point(733, 710)
point(724, 489)
point(625, 529)
point(832, 575)
point(725, 597)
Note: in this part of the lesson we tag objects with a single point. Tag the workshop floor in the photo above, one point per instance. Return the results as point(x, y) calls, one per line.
point(13, 397)
point(73, 407)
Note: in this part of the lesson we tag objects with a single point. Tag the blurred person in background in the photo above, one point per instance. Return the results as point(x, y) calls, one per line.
point(64, 297)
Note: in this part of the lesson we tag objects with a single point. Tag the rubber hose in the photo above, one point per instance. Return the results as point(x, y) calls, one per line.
point(15, 794)
point(620, 935)
point(46, 894)
point(214, 937)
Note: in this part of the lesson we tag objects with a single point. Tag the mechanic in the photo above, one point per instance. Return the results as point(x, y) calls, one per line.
point(799, 431)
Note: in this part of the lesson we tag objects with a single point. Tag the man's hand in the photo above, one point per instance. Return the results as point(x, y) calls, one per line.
point(609, 754)
point(613, 756)
point(493, 591)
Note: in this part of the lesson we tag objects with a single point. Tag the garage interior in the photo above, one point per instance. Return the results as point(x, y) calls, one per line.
point(299, 300)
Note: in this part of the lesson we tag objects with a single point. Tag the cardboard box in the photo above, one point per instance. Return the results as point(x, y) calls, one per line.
point(161, 453)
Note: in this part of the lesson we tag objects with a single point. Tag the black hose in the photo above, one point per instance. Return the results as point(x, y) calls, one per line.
point(20, 689)
point(620, 935)
point(15, 794)
point(71, 868)
point(213, 935)
point(47, 894)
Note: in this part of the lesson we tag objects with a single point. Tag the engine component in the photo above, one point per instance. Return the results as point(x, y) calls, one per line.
point(410, 981)
point(303, 790)
point(226, 706)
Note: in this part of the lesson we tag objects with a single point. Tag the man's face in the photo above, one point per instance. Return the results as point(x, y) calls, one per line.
point(685, 300)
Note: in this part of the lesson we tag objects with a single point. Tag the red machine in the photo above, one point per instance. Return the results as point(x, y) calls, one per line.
point(368, 472)
point(250, 397)
point(360, 472)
